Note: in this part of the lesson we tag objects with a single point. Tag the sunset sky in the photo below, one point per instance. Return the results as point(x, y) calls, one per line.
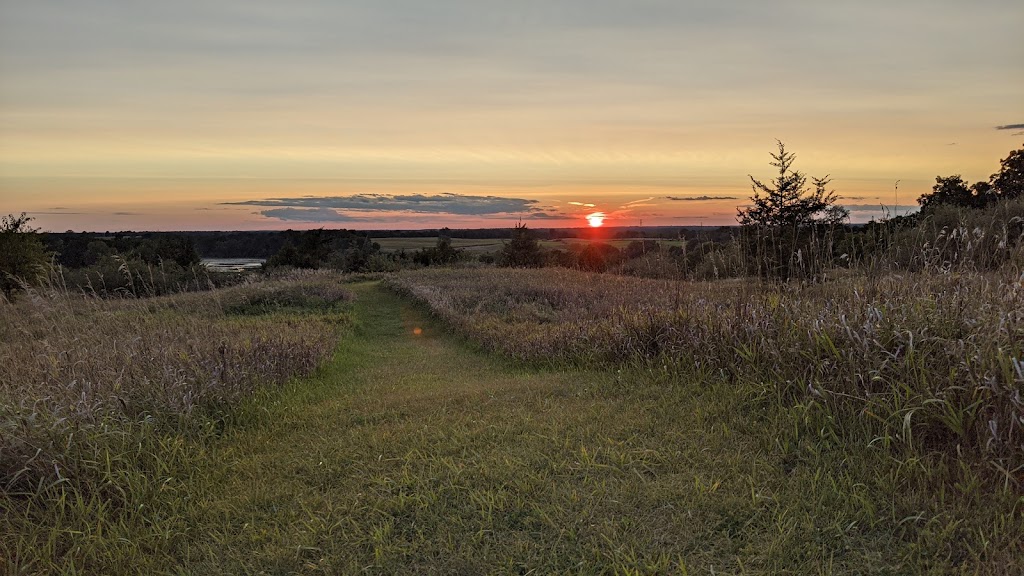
point(246, 114)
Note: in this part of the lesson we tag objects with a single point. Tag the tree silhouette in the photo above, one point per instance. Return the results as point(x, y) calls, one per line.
point(951, 190)
point(22, 256)
point(522, 251)
point(781, 228)
point(1009, 181)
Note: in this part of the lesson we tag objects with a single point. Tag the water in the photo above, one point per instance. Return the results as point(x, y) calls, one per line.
point(233, 264)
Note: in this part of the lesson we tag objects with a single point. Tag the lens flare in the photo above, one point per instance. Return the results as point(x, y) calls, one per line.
point(596, 219)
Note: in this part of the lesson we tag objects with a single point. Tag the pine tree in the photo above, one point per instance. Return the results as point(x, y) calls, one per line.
point(788, 228)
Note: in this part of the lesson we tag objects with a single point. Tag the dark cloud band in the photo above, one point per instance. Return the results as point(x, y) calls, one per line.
point(420, 203)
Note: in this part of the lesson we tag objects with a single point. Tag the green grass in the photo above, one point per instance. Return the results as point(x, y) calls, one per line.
point(415, 453)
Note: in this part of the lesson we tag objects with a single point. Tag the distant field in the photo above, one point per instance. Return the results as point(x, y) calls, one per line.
point(494, 244)
point(411, 244)
point(565, 243)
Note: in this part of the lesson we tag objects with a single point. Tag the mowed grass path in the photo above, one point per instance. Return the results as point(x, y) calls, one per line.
point(412, 453)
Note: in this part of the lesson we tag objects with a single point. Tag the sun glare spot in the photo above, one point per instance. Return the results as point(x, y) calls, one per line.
point(417, 331)
point(596, 219)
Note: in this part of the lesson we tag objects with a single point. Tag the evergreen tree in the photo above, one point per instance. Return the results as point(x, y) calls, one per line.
point(788, 228)
point(522, 251)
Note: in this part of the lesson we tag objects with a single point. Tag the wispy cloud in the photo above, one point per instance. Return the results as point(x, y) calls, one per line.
point(638, 201)
point(699, 198)
point(581, 204)
point(1010, 127)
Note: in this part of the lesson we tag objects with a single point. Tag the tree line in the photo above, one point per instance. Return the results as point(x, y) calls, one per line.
point(793, 227)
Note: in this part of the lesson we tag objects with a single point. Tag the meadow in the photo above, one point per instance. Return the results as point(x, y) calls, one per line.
point(105, 404)
point(908, 384)
point(496, 420)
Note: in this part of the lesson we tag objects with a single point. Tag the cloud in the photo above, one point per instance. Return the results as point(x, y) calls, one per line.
point(581, 204)
point(420, 203)
point(638, 202)
point(308, 215)
point(699, 198)
point(127, 213)
point(62, 213)
point(536, 215)
point(1010, 127)
point(880, 206)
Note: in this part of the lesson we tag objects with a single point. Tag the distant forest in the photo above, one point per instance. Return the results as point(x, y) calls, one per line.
point(78, 249)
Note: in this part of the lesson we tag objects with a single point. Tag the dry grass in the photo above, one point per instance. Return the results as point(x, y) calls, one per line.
point(921, 363)
point(76, 369)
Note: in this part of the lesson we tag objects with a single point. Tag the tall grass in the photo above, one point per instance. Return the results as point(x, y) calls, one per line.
point(920, 363)
point(71, 365)
point(104, 402)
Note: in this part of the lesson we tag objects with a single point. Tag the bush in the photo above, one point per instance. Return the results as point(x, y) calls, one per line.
point(22, 257)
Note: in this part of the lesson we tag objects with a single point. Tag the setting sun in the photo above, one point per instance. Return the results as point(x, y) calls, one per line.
point(596, 219)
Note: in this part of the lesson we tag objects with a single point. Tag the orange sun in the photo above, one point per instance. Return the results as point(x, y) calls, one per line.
point(596, 219)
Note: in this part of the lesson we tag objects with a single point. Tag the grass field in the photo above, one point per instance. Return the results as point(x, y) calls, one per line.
point(620, 243)
point(493, 245)
point(413, 244)
point(484, 423)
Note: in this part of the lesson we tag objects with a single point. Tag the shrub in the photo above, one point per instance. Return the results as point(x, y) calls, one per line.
point(22, 257)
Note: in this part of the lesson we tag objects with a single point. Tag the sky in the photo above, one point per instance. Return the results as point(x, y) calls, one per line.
point(362, 114)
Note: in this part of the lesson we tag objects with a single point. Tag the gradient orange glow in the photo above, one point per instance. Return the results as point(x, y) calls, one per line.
point(204, 116)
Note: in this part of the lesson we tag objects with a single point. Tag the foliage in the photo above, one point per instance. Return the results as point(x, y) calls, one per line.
point(180, 250)
point(598, 257)
point(335, 249)
point(441, 254)
point(522, 251)
point(22, 256)
point(787, 202)
point(953, 191)
point(785, 231)
point(1009, 181)
point(1007, 184)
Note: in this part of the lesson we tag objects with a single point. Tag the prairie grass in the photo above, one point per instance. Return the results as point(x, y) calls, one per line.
point(106, 404)
point(925, 370)
point(450, 461)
